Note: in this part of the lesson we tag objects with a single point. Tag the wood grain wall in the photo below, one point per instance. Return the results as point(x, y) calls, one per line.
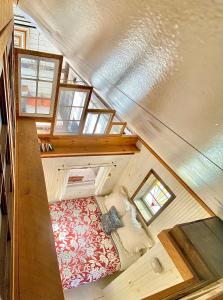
point(184, 207)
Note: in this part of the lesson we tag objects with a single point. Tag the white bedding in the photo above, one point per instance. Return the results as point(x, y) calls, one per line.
point(126, 258)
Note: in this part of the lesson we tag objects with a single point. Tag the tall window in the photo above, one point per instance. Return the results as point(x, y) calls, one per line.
point(152, 196)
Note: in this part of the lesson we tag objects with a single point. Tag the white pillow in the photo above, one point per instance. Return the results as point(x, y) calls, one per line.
point(133, 239)
point(119, 200)
point(129, 219)
point(132, 235)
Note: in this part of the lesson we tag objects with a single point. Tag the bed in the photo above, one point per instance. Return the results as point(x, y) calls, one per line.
point(85, 253)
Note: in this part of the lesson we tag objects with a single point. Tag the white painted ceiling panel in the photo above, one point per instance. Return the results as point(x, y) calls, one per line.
point(159, 64)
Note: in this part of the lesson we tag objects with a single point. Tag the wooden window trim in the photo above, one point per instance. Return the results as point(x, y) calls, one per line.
point(124, 124)
point(173, 196)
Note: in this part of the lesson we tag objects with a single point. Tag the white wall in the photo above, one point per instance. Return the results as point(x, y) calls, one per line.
point(37, 41)
point(140, 281)
point(184, 207)
point(55, 181)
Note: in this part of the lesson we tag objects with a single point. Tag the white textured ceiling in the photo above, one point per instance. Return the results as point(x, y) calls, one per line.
point(159, 64)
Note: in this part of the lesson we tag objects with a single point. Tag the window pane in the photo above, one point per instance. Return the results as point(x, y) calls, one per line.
point(28, 68)
point(90, 123)
point(43, 127)
point(67, 127)
point(46, 70)
point(143, 209)
point(79, 98)
point(102, 123)
point(116, 129)
point(151, 203)
point(28, 105)
point(43, 106)
point(66, 98)
point(64, 113)
point(28, 88)
point(69, 113)
point(72, 98)
point(76, 113)
point(44, 89)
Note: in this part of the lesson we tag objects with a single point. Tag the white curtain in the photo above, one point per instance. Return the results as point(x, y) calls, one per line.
point(101, 178)
point(62, 177)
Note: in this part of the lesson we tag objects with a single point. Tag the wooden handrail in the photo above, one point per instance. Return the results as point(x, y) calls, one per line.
point(36, 271)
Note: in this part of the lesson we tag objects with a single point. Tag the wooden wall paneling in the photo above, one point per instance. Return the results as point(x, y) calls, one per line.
point(4, 38)
point(3, 258)
point(6, 14)
point(37, 272)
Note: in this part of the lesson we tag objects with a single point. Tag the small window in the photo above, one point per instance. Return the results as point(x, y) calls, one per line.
point(97, 122)
point(43, 127)
point(117, 128)
point(152, 196)
point(20, 37)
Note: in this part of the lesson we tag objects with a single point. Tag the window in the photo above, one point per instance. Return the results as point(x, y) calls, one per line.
point(71, 110)
point(37, 85)
point(117, 128)
point(97, 121)
point(20, 37)
point(152, 196)
point(43, 127)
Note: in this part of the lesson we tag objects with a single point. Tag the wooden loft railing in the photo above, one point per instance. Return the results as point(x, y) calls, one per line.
point(37, 268)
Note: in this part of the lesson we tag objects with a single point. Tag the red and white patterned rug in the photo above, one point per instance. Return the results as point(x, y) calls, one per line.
point(85, 253)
